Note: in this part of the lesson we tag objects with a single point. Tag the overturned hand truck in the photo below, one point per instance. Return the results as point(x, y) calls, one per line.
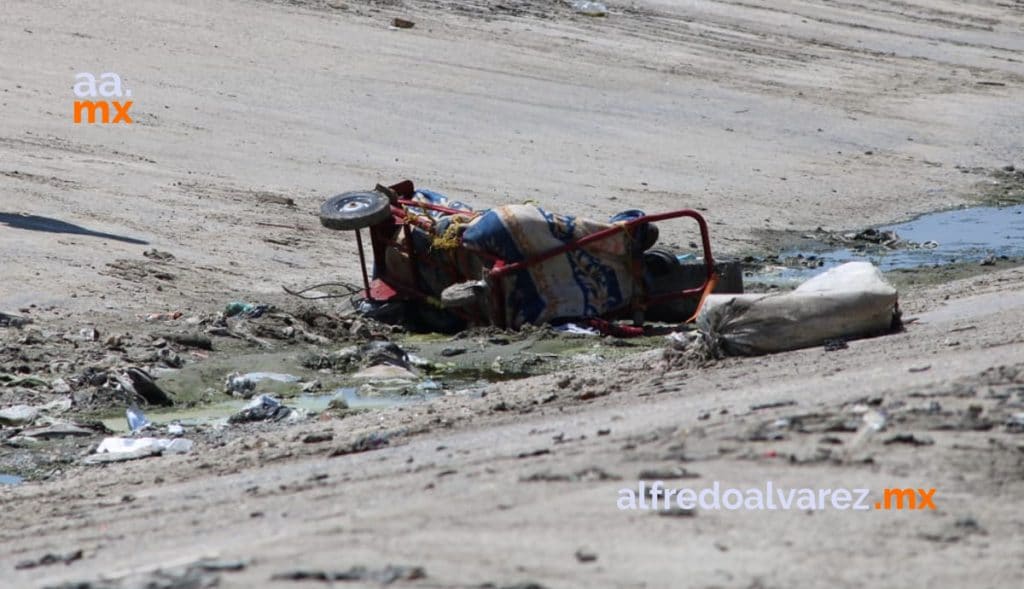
point(519, 264)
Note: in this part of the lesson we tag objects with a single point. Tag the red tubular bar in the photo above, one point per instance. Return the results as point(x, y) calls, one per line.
point(500, 269)
point(709, 262)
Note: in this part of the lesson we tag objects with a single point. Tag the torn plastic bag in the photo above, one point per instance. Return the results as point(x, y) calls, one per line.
point(849, 301)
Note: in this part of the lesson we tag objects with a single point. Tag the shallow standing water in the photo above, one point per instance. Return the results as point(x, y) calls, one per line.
point(963, 235)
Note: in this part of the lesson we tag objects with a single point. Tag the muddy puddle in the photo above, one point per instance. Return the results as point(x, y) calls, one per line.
point(973, 235)
point(439, 365)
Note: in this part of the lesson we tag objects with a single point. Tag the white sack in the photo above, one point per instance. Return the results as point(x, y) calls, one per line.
point(849, 301)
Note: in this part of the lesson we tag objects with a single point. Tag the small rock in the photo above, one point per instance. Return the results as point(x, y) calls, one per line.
point(584, 555)
point(677, 512)
point(401, 23)
point(912, 439)
point(155, 254)
point(18, 415)
point(318, 438)
point(666, 474)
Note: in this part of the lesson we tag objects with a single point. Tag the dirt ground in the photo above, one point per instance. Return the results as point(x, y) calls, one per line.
point(767, 117)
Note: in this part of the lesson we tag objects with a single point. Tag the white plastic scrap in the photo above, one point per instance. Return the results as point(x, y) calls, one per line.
point(136, 445)
point(246, 383)
point(136, 419)
point(576, 329)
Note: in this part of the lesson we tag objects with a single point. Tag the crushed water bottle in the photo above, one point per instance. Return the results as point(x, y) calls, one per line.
point(588, 8)
point(136, 419)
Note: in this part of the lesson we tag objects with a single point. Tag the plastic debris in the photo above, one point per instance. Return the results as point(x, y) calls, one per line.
point(118, 449)
point(243, 309)
point(13, 320)
point(136, 419)
point(140, 385)
point(169, 316)
point(263, 408)
point(576, 329)
point(245, 384)
point(175, 429)
point(681, 340)
point(588, 8)
point(428, 386)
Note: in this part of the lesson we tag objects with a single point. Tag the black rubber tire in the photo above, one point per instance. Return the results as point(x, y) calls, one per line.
point(355, 210)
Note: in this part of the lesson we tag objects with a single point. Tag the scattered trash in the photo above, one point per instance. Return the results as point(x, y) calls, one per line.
point(681, 340)
point(139, 384)
point(576, 329)
point(13, 320)
point(588, 8)
point(873, 422)
point(428, 386)
point(175, 429)
point(263, 408)
point(1015, 423)
point(848, 301)
point(401, 23)
point(244, 385)
point(243, 309)
point(117, 449)
point(115, 445)
point(169, 316)
point(136, 419)
point(50, 559)
point(385, 576)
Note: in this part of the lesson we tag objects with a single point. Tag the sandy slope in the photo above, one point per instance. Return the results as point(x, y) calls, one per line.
point(761, 114)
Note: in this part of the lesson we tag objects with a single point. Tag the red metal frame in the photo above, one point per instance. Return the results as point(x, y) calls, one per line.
point(386, 288)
